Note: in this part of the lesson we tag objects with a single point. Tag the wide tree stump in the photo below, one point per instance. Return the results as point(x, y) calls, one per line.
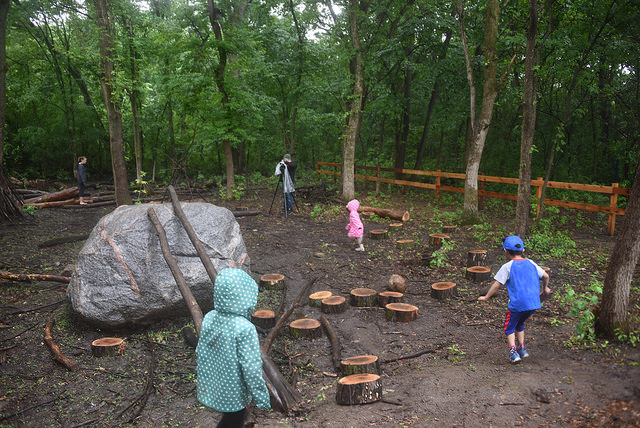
point(334, 305)
point(386, 297)
point(360, 364)
point(264, 318)
point(359, 389)
point(444, 290)
point(272, 281)
point(394, 227)
point(404, 243)
point(435, 239)
point(477, 258)
point(377, 234)
point(107, 346)
point(305, 327)
point(478, 273)
point(401, 312)
point(363, 297)
point(316, 298)
point(397, 283)
point(449, 228)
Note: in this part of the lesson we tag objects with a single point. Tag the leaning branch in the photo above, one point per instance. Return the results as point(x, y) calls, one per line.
point(55, 350)
point(28, 277)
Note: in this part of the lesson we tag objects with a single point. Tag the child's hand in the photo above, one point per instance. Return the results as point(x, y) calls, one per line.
point(483, 298)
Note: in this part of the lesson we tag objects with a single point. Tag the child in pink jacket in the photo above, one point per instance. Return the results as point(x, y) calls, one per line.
point(355, 227)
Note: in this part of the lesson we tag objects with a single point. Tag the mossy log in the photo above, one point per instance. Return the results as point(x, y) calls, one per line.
point(334, 305)
point(272, 281)
point(360, 364)
point(476, 258)
point(363, 297)
point(359, 389)
point(316, 298)
point(377, 234)
point(478, 273)
point(107, 346)
point(264, 318)
point(305, 327)
point(386, 297)
point(444, 290)
point(401, 312)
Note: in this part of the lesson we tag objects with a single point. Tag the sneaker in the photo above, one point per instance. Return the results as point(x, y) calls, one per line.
point(360, 249)
point(522, 352)
point(514, 357)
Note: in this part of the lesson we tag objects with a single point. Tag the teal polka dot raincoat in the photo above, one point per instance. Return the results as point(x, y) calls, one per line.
point(228, 352)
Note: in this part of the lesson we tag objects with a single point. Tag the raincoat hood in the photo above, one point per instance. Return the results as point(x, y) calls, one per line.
point(235, 292)
point(353, 205)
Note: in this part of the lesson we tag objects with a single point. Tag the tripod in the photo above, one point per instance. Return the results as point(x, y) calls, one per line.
point(284, 198)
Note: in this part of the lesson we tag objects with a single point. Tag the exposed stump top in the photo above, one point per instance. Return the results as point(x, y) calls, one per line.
point(305, 323)
point(359, 360)
point(479, 269)
point(264, 313)
point(402, 307)
point(333, 300)
point(443, 285)
point(107, 341)
point(358, 378)
point(363, 292)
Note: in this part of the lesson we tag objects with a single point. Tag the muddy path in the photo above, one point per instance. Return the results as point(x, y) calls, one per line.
point(462, 378)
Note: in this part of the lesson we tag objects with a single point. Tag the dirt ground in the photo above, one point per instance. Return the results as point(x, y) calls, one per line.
point(463, 379)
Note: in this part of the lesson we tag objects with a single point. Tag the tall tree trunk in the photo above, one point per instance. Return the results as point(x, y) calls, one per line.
point(114, 117)
point(480, 124)
point(401, 152)
point(4, 11)
point(133, 99)
point(354, 117)
point(612, 316)
point(523, 204)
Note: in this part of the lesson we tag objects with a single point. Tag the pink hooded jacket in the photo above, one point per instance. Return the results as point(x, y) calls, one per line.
point(355, 226)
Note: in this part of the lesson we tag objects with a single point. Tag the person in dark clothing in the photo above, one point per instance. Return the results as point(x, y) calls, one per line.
point(82, 178)
point(287, 167)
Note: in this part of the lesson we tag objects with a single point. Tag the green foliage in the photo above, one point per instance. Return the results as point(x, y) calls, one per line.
point(439, 256)
point(545, 240)
point(322, 212)
point(580, 307)
point(29, 209)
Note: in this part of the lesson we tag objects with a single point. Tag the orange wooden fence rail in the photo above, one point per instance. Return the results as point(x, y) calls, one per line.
point(612, 210)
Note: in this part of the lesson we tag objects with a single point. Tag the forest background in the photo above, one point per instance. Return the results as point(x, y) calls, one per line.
point(213, 92)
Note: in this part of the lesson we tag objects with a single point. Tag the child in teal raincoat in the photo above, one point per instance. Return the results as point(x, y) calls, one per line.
point(228, 352)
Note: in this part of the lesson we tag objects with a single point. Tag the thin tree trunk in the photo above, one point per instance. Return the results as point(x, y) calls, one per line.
point(133, 99)
point(4, 11)
point(118, 162)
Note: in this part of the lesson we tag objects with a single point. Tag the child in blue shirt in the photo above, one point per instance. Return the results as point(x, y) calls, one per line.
point(522, 278)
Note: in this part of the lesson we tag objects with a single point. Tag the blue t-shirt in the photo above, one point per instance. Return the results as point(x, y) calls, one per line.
point(522, 278)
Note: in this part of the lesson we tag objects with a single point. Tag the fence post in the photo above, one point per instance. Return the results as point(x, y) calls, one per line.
point(539, 195)
point(438, 185)
point(335, 174)
point(613, 204)
point(378, 179)
point(480, 189)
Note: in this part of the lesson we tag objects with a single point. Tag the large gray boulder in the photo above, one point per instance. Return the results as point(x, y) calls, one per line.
point(122, 278)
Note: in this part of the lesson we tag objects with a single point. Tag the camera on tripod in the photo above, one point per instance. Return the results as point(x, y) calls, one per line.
point(282, 166)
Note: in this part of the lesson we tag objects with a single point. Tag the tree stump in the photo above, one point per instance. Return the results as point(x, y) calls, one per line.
point(394, 227)
point(478, 273)
point(402, 312)
point(386, 297)
point(272, 281)
point(435, 239)
point(242, 208)
point(377, 234)
point(360, 364)
point(359, 389)
point(443, 290)
point(107, 346)
point(264, 318)
point(476, 258)
point(334, 305)
point(449, 228)
point(305, 327)
point(316, 298)
point(404, 243)
point(363, 297)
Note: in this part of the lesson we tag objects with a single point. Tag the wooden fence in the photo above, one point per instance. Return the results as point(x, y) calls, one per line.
point(612, 210)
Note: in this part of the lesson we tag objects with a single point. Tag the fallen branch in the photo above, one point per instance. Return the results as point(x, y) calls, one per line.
point(286, 314)
point(55, 196)
point(144, 396)
point(408, 356)
point(333, 340)
point(246, 213)
point(37, 308)
point(401, 215)
point(55, 350)
point(28, 277)
point(19, 412)
point(63, 240)
point(21, 332)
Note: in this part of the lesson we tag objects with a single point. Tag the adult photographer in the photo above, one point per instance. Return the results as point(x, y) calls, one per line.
point(287, 167)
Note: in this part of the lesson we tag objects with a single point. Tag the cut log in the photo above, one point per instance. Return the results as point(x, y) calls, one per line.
point(334, 305)
point(397, 283)
point(435, 239)
point(400, 215)
point(359, 389)
point(444, 290)
point(55, 350)
point(107, 346)
point(394, 227)
point(363, 297)
point(264, 318)
point(386, 297)
point(449, 228)
point(401, 312)
point(476, 258)
point(62, 195)
point(55, 204)
point(272, 281)
point(404, 243)
point(478, 273)
point(305, 327)
point(247, 213)
point(316, 298)
point(377, 234)
point(360, 364)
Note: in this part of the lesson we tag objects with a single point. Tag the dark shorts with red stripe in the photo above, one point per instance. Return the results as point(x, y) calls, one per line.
point(514, 321)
